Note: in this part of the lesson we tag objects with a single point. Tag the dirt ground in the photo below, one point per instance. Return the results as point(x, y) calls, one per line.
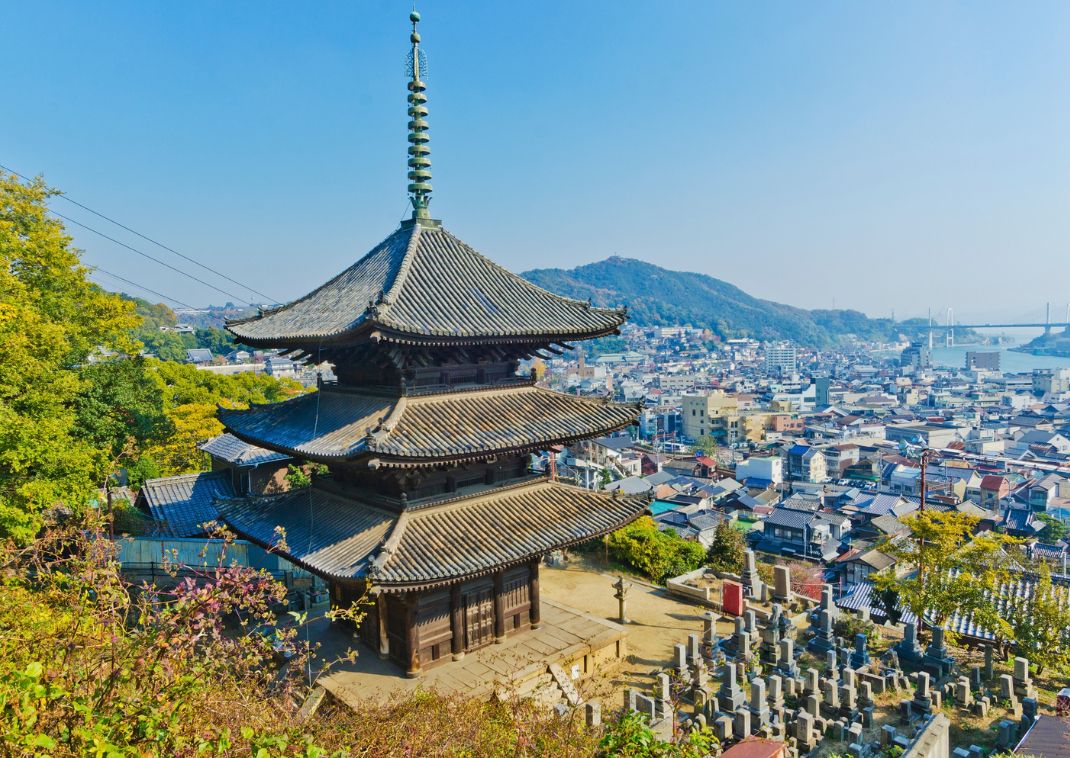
point(657, 622)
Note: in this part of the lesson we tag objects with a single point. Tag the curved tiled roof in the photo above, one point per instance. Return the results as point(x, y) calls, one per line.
point(347, 539)
point(179, 505)
point(325, 532)
point(509, 526)
point(227, 447)
point(424, 284)
point(338, 424)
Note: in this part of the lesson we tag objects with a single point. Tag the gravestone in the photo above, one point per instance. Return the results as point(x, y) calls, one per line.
point(759, 708)
point(990, 663)
point(750, 622)
point(722, 727)
point(860, 655)
point(823, 639)
point(782, 584)
point(937, 661)
point(694, 648)
point(963, 696)
point(865, 694)
point(848, 699)
point(1023, 682)
point(831, 693)
point(741, 640)
point(774, 686)
point(592, 714)
point(741, 722)
point(647, 706)
point(730, 695)
point(680, 658)
point(709, 630)
point(923, 695)
point(662, 687)
point(787, 664)
point(908, 651)
point(752, 582)
point(805, 733)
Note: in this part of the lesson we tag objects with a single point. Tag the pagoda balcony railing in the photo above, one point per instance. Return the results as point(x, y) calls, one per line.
point(413, 389)
point(410, 389)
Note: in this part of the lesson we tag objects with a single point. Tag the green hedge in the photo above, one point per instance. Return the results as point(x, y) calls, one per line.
point(658, 554)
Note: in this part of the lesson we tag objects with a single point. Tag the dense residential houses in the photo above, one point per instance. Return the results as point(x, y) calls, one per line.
point(815, 456)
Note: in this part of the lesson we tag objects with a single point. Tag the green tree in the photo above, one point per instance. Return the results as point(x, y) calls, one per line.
point(120, 407)
point(52, 319)
point(706, 445)
point(727, 549)
point(1041, 624)
point(1054, 529)
point(954, 570)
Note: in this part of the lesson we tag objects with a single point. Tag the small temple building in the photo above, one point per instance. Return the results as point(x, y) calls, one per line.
point(430, 504)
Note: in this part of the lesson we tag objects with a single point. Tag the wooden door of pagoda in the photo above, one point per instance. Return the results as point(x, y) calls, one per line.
point(478, 616)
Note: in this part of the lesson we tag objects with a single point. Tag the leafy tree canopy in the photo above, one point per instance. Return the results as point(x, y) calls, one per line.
point(726, 553)
point(52, 320)
point(954, 569)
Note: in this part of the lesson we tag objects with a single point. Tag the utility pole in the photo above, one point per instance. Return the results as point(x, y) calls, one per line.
point(925, 453)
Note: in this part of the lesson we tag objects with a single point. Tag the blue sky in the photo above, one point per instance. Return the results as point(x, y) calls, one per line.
point(867, 155)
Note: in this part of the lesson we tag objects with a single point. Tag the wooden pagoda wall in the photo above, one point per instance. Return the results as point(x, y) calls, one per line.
point(421, 629)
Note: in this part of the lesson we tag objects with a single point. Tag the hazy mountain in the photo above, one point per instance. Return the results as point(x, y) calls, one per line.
point(658, 297)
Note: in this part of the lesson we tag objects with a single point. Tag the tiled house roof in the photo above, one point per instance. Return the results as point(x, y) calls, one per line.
point(180, 504)
point(422, 284)
point(338, 423)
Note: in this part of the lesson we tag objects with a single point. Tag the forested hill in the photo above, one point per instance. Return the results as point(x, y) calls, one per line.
point(658, 297)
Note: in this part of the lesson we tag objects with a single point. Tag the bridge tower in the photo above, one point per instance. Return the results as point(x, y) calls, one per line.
point(1047, 319)
point(950, 338)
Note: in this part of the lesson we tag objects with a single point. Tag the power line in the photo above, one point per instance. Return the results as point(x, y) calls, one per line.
point(146, 255)
point(143, 287)
point(149, 239)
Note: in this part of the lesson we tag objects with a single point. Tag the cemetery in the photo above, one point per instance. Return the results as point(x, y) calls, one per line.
point(783, 673)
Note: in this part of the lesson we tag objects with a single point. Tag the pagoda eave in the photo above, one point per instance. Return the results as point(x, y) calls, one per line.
point(341, 425)
point(374, 459)
point(377, 334)
point(474, 535)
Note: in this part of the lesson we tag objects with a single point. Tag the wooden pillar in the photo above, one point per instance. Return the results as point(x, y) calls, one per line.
point(383, 614)
point(535, 612)
point(499, 607)
point(412, 636)
point(457, 622)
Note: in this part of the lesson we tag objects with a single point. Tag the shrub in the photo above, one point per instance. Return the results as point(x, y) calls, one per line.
point(658, 554)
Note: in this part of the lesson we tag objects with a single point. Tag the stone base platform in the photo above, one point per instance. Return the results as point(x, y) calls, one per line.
point(580, 644)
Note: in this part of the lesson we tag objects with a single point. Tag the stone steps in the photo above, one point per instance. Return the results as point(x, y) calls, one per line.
point(564, 682)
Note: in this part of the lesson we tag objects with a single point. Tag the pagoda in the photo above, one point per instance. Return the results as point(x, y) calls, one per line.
point(431, 504)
